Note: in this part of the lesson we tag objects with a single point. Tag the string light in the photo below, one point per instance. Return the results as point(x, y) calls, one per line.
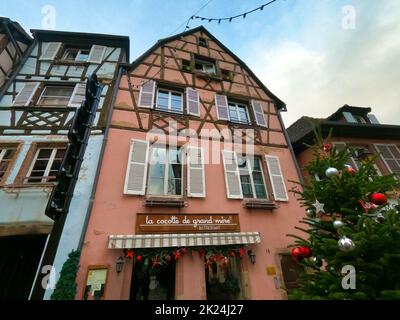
point(229, 19)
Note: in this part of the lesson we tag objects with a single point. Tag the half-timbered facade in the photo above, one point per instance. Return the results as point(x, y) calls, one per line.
point(197, 162)
point(14, 41)
point(36, 110)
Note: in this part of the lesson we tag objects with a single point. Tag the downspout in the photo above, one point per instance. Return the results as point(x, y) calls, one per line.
point(296, 164)
point(103, 147)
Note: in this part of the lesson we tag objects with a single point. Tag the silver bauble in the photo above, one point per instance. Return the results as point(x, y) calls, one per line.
point(338, 224)
point(346, 244)
point(317, 261)
point(310, 213)
point(331, 172)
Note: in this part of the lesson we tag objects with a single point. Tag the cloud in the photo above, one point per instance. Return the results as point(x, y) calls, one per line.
point(357, 67)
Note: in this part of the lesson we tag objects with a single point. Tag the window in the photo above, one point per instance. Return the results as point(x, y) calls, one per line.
point(227, 75)
point(45, 165)
point(359, 119)
point(390, 154)
point(238, 112)
point(75, 54)
point(6, 157)
point(165, 176)
point(205, 66)
point(55, 96)
point(202, 42)
point(251, 177)
point(168, 100)
point(186, 65)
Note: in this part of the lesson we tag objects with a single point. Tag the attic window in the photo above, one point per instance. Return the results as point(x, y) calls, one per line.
point(227, 75)
point(359, 119)
point(76, 54)
point(186, 65)
point(204, 65)
point(202, 42)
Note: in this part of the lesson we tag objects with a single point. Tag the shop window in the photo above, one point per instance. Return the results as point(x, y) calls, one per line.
point(251, 177)
point(165, 176)
point(45, 165)
point(223, 281)
point(150, 283)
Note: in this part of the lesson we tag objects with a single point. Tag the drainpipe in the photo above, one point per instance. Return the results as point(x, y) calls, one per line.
point(103, 147)
point(296, 164)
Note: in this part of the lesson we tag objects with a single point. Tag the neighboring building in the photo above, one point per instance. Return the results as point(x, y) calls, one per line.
point(13, 43)
point(162, 189)
point(355, 127)
point(35, 113)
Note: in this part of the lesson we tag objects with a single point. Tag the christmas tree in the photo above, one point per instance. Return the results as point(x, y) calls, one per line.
point(66, 285)
point(351, 249)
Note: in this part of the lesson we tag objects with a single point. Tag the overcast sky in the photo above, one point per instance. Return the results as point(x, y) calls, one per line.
point(316, 55)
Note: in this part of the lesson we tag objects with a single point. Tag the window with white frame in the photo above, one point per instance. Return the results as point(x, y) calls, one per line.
point(238, 112)
point(205, 66)
point(390, 154)
point(168, 100)
point(251, 177)
point(55, 96)
point(45, 165)
point(76, 54)
point(165, 172)
point(6, 157)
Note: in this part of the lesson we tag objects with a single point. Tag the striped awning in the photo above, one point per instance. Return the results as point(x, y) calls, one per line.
point(181, 240)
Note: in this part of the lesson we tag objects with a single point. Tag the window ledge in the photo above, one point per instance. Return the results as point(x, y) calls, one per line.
point(259, 204)
point(207, 76)
point(165, 202)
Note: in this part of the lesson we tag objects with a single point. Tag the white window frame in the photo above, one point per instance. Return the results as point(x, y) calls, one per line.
point(204, 62)
point(169, 100)
point(48, 166)
point(166, 172)
point(79, 52)
point(237, 112)
point(250, 170)
point(58, 105)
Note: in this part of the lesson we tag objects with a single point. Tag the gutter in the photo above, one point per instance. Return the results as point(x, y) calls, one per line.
point(103, 147)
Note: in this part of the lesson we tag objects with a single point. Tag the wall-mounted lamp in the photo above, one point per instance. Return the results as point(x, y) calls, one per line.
point(252, 256)
point(119, 264)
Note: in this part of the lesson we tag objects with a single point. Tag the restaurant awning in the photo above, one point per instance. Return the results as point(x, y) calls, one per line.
point(182, 240)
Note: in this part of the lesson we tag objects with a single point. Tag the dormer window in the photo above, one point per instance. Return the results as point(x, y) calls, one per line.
point(359, 119)
point(207, 66)
point(202, 42)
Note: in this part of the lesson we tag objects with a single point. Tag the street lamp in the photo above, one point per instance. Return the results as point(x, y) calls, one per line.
point(119, 264)
point(252, 256)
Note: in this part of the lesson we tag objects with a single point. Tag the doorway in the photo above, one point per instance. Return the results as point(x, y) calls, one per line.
point(19, 260)
point(150, 283)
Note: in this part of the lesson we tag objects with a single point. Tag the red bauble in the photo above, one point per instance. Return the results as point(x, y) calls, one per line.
point(327, 147)
point(177, 255)
point(139, 258)
point(306, 252)
point(350, 170)
point(232, 253)
point(297, 254)
point(378, 198)
point(242, 252)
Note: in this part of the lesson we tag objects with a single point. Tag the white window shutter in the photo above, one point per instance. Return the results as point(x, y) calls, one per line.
point(259, 113)
point(193, 102)
point(373, 119)
point(96, 54)
point(196, 172)
point(25, 95)
point(136, 171)
point(276, 176)
point(78, 95)
point(232, 176)
point(146, 95)
point(221, 102)
point(349, 117)
point(50, 52)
